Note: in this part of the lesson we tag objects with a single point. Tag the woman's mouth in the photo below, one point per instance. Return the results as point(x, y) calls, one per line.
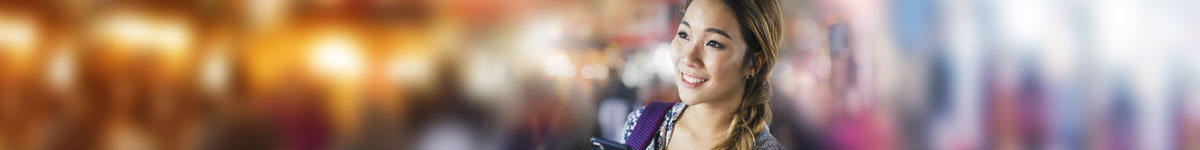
point(691, 81)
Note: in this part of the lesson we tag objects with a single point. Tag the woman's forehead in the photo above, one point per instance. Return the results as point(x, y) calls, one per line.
point(710, 14)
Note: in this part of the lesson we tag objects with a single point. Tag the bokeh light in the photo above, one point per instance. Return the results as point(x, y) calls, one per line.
point(549, 74)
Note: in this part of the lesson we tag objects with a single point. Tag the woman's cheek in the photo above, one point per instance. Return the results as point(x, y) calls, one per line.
point(727, 72)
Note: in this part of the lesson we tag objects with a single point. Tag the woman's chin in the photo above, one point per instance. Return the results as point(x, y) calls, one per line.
point(688, 96)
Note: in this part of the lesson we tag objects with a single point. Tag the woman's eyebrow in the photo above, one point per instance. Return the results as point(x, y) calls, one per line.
point(713, 30)
point(718, 32)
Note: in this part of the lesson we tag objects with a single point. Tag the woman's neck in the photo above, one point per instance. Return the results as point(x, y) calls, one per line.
point(709, 119)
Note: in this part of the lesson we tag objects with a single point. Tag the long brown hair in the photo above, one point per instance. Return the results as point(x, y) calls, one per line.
point(760, 22)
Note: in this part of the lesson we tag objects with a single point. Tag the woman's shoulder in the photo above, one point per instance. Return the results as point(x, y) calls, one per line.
point(630, 122)
point(766, 141)
point(631, 119)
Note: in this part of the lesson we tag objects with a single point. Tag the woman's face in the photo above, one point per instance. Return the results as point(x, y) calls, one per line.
point(708, 51)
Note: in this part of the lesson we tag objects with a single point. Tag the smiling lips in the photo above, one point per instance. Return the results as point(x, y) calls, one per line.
point(692, 81)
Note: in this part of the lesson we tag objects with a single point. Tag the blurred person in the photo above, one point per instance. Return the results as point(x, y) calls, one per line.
point(612, 109)
point(724, 51)
point(1016, 108)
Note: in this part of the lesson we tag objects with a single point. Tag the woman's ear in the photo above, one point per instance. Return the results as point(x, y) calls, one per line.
point(755, 62)
point(759, 58)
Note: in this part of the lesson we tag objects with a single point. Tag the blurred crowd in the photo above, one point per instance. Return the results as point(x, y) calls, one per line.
point(549, 74)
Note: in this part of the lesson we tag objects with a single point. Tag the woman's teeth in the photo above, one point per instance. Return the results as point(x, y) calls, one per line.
point(693, 80)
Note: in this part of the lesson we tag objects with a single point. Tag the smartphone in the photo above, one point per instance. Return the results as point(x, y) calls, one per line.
point(604, 144)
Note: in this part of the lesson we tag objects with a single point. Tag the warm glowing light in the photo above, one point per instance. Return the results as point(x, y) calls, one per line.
point(166, 34)
point(337, 56)
point(17, 33)
point(540, 36)
point(214, 72)
point(123, 136)
point(128, 29)
point(61, 70)
point(559, 65)
point(172, 36)
point(596, 71)
point(265, 13)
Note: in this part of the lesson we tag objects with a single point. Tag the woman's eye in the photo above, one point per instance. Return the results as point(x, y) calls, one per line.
point(714, 44)
point(682, 35)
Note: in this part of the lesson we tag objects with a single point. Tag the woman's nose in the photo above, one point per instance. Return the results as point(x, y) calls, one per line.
point(690, 56)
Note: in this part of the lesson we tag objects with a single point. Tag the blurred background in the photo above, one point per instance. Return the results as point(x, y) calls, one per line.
point(549, 74)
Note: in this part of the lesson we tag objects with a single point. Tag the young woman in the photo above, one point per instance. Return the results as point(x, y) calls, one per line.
point(723, 53)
